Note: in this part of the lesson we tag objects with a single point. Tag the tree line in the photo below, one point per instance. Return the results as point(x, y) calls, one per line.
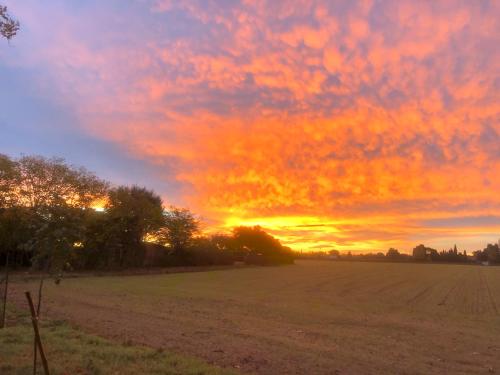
point(421, 253)
point(47, 221)
point(490, 254)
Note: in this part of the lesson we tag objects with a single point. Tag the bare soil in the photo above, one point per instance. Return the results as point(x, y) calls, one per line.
point(312, 318)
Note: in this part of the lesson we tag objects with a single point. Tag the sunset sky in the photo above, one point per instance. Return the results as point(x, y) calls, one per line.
point(355, 125)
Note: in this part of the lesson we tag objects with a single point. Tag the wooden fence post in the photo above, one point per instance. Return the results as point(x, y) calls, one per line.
point(34, 320)
point(39, 305)
point(4, 307)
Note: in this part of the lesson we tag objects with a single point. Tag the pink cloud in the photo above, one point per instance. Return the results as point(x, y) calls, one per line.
point(275, 108)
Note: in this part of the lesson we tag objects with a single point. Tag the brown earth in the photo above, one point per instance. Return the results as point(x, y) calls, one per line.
point(311, 318)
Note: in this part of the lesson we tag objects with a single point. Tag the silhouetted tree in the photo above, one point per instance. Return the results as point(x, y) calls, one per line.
point(56, 237)
point(205, 251)
point(492, 253)
point(224, 242)
point(42, 182)
point(480, 256)
point(260, 247)
point(179, 229)
point(132, 213)
point(452, 255)
point(334, 253)
point(17, 228)
point(8, 179)
point(44, 197)
point(392, 253)
point(100, 241)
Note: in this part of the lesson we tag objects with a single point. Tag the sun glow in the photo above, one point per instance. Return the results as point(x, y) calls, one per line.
point(99, 205)
point(361, 127)
point(282, 222)
point(291, 230)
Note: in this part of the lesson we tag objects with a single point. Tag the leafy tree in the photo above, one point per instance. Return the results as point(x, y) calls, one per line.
point(43, 182)
point(17, 227)
point(205, 251)
point(46, 197)
point(452, 255)
point(42, 201)
point(260, 247)
point(96, 250)
point(8, 25)
point(223, 242)
point(180, 227)
point(8, 178)
point(132, 213)
point(492, 253)
point(480, 256)
point(56, 238)
point(392, 253)
point(334, 253)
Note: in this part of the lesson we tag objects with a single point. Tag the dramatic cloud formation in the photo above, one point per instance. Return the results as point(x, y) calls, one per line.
point(356, 125)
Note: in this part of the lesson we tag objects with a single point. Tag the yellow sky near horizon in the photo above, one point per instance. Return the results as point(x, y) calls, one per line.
point(357, 125)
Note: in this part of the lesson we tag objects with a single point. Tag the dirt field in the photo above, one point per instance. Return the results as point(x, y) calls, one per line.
point(311, 318)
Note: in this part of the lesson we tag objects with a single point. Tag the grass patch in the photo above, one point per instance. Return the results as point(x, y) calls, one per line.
point(69, 351)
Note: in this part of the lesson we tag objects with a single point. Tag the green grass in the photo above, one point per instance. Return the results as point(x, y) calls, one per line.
point(70, 351)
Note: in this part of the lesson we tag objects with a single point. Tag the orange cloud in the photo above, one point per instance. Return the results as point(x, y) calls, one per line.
point(333, 124)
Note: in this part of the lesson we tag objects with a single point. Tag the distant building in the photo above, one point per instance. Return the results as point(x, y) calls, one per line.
point(424, 253)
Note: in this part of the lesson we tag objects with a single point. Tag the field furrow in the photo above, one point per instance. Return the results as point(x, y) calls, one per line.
point(311, 318)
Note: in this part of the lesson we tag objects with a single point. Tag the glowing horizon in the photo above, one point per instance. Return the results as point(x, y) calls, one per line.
point(355, 125)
